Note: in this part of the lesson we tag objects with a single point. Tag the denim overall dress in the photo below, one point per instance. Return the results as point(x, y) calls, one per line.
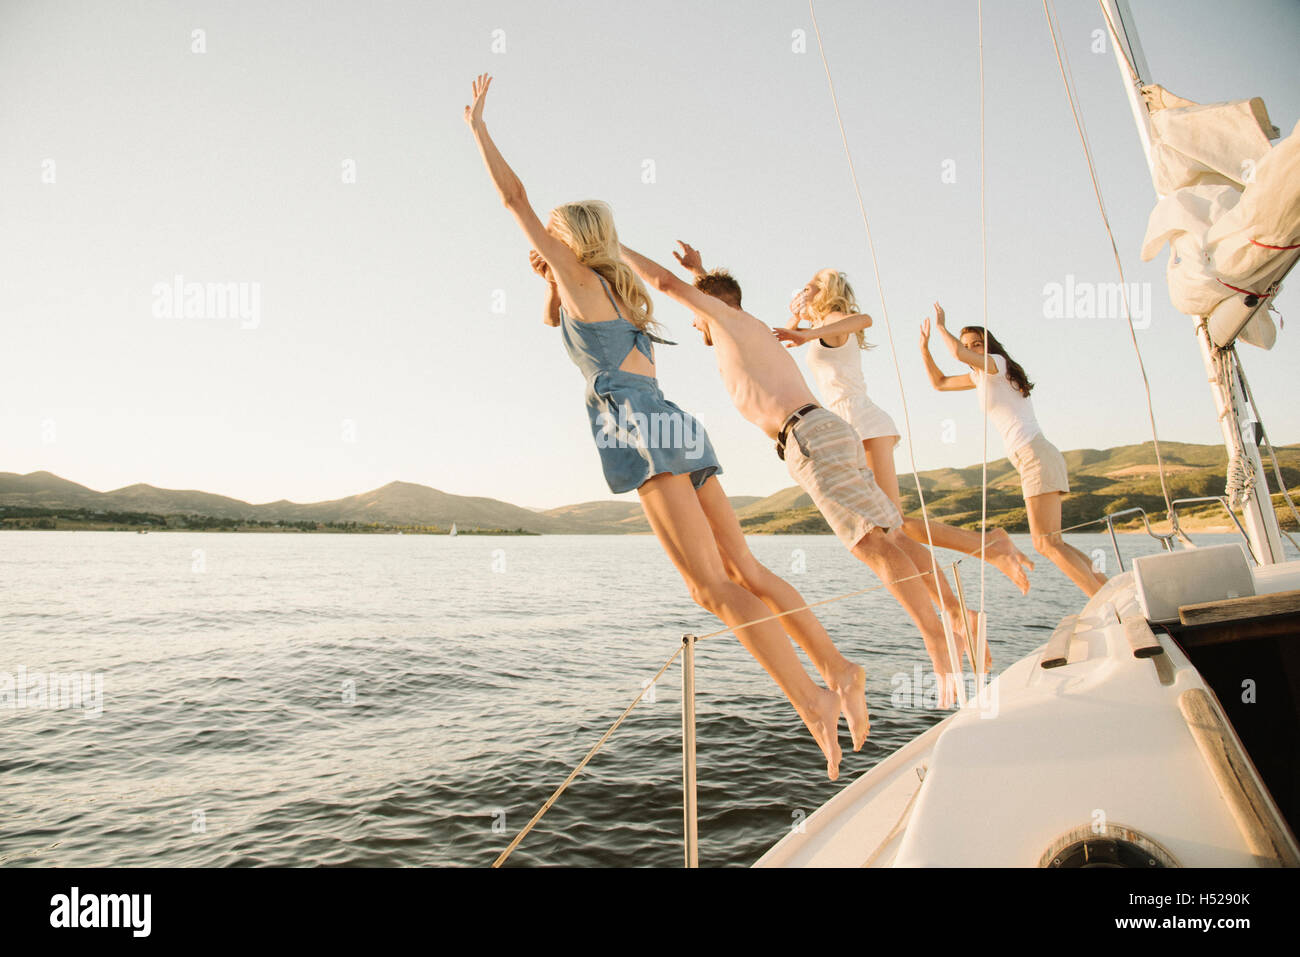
point(638, 432)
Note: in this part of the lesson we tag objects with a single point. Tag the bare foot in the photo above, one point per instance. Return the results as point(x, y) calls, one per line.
point(947, 690)
point(965, 637)
point(1003, 555)
point(824, 723)
point(973, 626)
point(852, 691)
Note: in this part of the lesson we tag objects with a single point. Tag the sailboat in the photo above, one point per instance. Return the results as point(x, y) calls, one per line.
point(453, 529)
point(1158, 726)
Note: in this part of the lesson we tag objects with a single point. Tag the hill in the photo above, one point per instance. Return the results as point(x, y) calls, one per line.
point(1101, 481)
point(397, 504)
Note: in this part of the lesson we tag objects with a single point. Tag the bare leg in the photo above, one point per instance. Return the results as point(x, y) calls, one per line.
point(679, 522)
point(1045, 525)
point(998, 549)
point(880, 457)
point(879, 550)
point(847, 680)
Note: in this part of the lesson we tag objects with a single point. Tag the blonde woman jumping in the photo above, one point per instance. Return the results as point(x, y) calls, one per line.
point(647, 443)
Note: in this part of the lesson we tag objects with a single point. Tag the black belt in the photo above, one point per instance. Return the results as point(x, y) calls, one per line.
point(795, 416)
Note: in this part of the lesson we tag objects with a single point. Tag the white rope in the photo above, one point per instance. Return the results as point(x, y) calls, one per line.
point(1121, 47)
point(1239, 479)
point(1272, 454)
point(893, 351)
point(984, 335)
point(1075, 110)
point(898, 826)
point(583, 763)
point(649, 684)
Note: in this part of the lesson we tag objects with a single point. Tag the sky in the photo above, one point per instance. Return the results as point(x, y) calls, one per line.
point(315, 155)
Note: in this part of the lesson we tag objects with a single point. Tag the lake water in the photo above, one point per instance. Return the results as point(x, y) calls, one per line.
point(298, 700)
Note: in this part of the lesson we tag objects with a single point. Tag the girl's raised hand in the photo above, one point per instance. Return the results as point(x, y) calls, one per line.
point(474, 113)
point(792, 337)
point(540, 265)
point(799, 304)
point(939, 316)
point(925, 333)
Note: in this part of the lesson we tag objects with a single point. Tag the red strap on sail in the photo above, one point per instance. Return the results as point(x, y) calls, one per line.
point(1244, 292)
point(1267, 246)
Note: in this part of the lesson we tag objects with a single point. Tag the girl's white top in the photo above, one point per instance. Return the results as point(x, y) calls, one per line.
point(1011, 413)
point(838, 372)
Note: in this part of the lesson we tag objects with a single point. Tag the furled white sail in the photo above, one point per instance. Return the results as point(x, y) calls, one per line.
point(1230, 210)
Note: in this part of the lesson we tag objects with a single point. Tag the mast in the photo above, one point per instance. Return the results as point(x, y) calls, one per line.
point(1235, 422)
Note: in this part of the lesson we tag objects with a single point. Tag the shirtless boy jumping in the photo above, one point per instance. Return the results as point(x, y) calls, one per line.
point(822, 452)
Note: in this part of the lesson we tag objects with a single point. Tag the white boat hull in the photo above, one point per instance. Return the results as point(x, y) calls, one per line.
point(1098, 743)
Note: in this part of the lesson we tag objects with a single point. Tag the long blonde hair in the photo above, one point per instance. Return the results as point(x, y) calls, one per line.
point(587, 227)
point(834, 294)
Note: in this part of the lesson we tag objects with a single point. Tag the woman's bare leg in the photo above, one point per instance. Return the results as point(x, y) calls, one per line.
point(847, 680)
point(880, 552)
point(998, 549)
point(880, 457)
point(1045, 525)
point(679, 522)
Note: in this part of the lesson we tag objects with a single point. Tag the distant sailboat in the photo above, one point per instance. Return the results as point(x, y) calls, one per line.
point(453, 529)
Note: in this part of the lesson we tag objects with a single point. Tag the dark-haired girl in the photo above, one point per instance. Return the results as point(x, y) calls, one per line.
point(1003, 388)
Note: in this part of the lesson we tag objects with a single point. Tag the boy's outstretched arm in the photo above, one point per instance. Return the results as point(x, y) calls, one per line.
point(690, 260)
point(664, 281)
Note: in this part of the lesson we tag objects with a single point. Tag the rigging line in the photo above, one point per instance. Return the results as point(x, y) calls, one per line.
point(954, 658)
point(659, 674)
point(1122, 47)
point(814, 604)
point(984, 260)
point(1049, 12)
point(583, 763)
point(1272, 453)
point(898, 826)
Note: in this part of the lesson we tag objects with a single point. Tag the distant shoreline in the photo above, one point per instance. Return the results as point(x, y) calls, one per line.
point(1188, 525)
point(1110, 480)
point(60, 525)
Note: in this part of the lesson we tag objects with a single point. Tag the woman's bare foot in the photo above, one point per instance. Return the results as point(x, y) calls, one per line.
point(973, 630)
point(1003, 555)
point(948, 690)
point(852, 691)
point(824, 724)
point(967, 637)
point(947, 696)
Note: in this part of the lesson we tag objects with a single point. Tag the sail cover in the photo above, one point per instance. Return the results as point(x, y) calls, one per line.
point(1230, 207)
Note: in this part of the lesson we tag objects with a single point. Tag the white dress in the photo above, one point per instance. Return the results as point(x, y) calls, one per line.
point(838, 371)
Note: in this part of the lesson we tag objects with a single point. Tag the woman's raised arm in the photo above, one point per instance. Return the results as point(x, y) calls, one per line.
point(944, 383)
point(564, 264)
point(980, 362)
